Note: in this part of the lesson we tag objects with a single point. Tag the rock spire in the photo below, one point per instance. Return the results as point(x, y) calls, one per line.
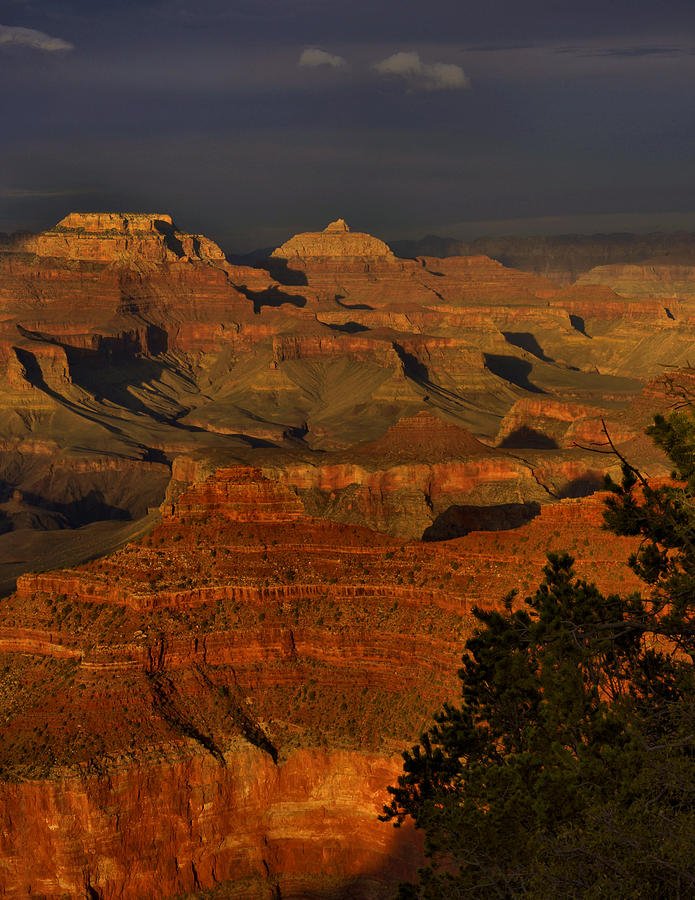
point(337, 226)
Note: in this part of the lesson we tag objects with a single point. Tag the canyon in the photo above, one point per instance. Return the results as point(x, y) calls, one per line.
point(221, 703)
point(563, 258)
point(246, 513)
point(127, 345)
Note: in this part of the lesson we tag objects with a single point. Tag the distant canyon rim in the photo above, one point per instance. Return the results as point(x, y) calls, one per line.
point(246, 511)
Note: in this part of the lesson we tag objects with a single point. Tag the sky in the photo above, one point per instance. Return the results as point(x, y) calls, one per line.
point(251, 120)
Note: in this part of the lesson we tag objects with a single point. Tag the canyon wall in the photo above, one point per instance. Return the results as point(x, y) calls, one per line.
point(125, 338)
point(222, 703)
point(563, 257)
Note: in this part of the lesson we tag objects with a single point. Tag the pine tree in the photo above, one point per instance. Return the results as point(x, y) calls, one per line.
point(568, 769)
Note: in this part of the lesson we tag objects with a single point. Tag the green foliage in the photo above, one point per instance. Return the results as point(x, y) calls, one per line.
point(677, 437)
point(568, 770)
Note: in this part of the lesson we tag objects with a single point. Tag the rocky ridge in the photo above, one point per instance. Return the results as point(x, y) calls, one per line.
point(124, 338)
point(563, 258)
point(656, 279)
point(221, 703)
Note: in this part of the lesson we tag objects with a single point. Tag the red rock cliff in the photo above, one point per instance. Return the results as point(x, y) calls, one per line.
point(224, 701)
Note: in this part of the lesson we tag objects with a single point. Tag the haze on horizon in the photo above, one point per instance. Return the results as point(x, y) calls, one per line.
point(255, 119)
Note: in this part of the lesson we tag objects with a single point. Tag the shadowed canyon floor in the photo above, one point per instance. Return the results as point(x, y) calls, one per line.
point(126, 345)
point(270, 497)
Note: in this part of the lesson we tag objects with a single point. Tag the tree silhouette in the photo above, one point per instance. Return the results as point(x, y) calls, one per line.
point(568, 769)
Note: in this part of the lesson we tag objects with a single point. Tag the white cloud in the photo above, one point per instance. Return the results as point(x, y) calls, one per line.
point(313, 57)
point(29, 37)
point(425, 76)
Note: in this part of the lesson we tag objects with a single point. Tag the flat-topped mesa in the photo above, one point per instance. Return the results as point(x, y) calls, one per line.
point(132, 223)
point(239, 494)
point(336, 241)
point(120, 237)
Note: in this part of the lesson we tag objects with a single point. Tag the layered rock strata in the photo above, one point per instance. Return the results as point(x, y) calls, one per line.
point(565, 257)
point(663, 280)
point(110, 237)
point(124, 337)
point(222, 703)
point(334, 242)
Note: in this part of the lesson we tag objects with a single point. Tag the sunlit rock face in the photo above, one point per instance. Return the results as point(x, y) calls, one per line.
point(293, 482)
point(127, 344)
point(335, 241)
point(659, 279)
point(221, 704)
point(108, 237)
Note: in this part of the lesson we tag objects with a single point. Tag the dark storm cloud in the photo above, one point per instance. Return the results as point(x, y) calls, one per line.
point(311, 22)
point(647, 51)
point(201, 108)
point(444, 20)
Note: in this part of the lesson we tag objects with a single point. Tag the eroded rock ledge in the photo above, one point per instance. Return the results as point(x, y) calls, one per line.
point(223, 702)
point(104, 237)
